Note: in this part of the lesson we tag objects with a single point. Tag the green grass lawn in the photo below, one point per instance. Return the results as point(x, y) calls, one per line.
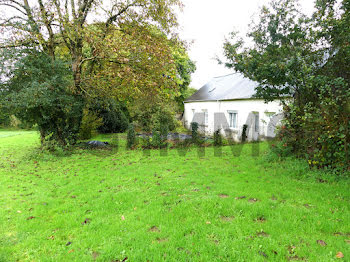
point(108, 205)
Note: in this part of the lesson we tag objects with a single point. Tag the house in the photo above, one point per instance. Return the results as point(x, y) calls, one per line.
point(227, 103)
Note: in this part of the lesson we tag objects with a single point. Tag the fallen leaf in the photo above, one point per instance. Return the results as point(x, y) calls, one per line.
point(227, 219)
point(95, 255)
point(160, 240)
point(71, 251)
point(86, 221)
point(295, 258)
point(291, 249)
point(321, 243)
point(262, 234)
point(339, 255)
point(263, 254)
point(260, 219)
point(223, 196)
point(241, 197)
point(208, 222)
point(29, 218)
point(154, 229)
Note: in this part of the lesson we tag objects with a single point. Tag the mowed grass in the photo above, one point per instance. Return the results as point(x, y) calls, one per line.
point(113, 205)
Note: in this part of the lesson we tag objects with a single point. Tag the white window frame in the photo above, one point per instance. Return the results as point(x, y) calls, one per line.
point(256, 122)
point(231, 124)
point(206, 116)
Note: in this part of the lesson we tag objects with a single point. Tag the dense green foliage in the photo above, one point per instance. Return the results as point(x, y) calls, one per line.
point(185, 67)
point(4, 118)
point(89, 124)
point(38, 92)
point(109, 205)
point(304, 61)
point(218, 138)
point(150, 116)
point(128, 53)
point(131, 137)
point(195, 132)
point(114, 115)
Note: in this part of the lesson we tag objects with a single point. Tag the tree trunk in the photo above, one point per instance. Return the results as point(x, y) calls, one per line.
point(77, 56)
point(42, 137)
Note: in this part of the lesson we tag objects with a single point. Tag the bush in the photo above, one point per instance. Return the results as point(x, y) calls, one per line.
point(155, 117)
point(131, 137)
point(89, 124)
point(318, 129)
point(38, 93)
point(115, 116)
point(159, 140)
point(244, 133)
point(194, 132)
point(146, 142)
point(218, 138)
point(4, 118)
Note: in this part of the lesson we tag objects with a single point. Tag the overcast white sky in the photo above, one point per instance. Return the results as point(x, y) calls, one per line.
point(207, 22)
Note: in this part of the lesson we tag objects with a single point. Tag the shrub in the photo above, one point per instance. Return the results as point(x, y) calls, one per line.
point(4, 118)
point(153, 117)
point(159, 140)
point(146, 142)
point(244, 133)
point(194, 132)
point(39, 93)
point(218, 138)
point(114, 115)
point(318, 129)
point(89, 124)
point(131, 137)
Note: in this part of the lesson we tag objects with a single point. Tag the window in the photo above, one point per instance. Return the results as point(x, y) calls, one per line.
point(205, 111)
point(256, 124)
point(233, 119)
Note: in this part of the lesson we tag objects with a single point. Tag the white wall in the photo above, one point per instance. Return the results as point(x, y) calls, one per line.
point(245, 109)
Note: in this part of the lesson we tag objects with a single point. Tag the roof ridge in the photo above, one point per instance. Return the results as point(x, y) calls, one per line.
point(235, 73)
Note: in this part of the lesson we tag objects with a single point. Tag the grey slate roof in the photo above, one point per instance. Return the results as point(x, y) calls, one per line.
point(233, 86)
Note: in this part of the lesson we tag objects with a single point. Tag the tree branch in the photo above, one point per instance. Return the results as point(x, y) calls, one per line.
point(14, 7)
point(113, 18)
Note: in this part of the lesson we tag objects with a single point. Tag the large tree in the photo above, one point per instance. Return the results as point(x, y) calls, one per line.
point(49, 24)
point(117, 49)
point(306, 60)
point(38, 93)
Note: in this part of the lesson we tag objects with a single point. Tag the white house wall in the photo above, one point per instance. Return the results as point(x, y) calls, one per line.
point(245, 109)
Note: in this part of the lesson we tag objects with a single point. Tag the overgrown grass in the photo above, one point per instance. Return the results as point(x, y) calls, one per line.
point(108, 205)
